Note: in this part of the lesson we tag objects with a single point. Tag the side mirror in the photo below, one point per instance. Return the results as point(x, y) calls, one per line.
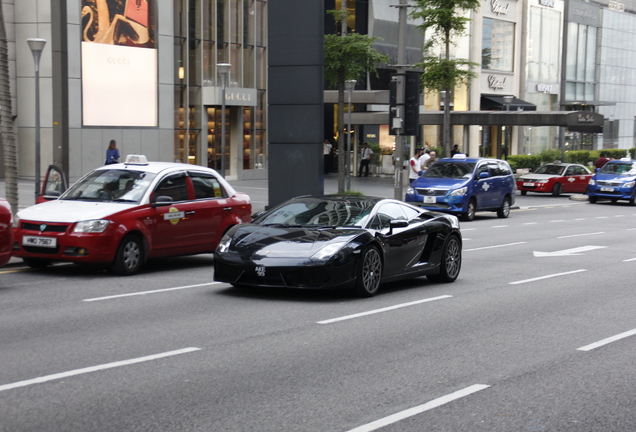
point(257, 215)
point(398, 223)
point(51, 195)
point(484, 175)
point(596, 170)
point(162, 201)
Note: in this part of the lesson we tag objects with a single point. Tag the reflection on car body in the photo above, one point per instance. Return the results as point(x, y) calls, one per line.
point(124, 214)
point(340, 242)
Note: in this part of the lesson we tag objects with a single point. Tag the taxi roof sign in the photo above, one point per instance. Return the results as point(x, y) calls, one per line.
point(136, 160)
point(459, 156)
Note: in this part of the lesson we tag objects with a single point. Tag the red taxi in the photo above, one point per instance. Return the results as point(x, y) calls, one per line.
point(124, 214)
point(6, 233)
point(555, 179)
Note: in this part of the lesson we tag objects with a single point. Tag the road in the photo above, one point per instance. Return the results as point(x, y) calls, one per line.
point(536, 335)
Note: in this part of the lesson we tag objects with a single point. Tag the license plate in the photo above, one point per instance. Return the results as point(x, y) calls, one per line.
point(529, 184)
point(430, 200)
point(47, 242)
point(606, 189)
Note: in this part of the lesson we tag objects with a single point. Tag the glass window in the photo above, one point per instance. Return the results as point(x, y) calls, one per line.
point(174, 187)
point(543, 53)
point(206, 186)
point(497, 45)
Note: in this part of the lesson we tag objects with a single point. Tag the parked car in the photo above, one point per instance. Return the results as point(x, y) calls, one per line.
point(6, 231)
point(124, 214)
point(555, 178)
point(340, 242)
point(462, 186)
point(614, 181)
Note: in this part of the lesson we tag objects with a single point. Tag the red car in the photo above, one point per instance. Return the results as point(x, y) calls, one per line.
point(124, 214)
point(555, 178)
point(6, 231)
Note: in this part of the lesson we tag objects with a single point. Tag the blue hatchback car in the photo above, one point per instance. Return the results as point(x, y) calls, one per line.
point(463, 186)
point(616, 180)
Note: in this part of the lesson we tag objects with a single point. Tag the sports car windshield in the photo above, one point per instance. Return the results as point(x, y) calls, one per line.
point(628, 168)
point(450, 169)
point(550, 169)
point(111, 185)
point(319, 213)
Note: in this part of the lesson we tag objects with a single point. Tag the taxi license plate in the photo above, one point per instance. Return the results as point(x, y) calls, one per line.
point(430, 200)
point(529, 184)
point(47, 242)
point(607, 189)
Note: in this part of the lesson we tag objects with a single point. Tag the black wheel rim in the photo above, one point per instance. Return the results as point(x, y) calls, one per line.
point(371, 271)
point(505, 209)
point(453, 258)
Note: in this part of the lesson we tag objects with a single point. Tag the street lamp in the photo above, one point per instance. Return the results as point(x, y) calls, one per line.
point(223, 69)
point(37, 46)
point(349, 85)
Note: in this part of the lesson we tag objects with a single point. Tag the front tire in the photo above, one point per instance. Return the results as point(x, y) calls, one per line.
point(632, 199)
point(593, 199)
point(470, 210)
point(129, 256)
point(556, 190)
point(369, 272)
point(504, 210)
point(451, 262)
point(524, 192)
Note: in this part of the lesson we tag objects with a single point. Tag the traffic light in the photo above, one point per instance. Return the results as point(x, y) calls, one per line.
point(411, 103)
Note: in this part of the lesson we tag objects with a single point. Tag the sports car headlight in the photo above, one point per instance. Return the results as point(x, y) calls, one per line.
point(629, 184)
point(458, 192)
point(91, 226)
point(592, 182)
point(224, 244)
point(328, 251)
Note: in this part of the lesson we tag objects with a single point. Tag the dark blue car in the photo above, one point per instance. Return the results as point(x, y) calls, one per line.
point(614, 181)
point(463, 186)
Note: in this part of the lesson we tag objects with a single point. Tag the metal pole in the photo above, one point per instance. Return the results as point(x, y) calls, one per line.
point(37, 46)
point(349, 84)
point(223, 69)
point(401, 69)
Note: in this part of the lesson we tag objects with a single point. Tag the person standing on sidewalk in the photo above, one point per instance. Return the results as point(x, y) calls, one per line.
point(414, 165)
point(365, 159)
point(112, 154)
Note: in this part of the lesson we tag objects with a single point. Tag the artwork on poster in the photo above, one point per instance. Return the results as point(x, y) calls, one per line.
point(119, 63)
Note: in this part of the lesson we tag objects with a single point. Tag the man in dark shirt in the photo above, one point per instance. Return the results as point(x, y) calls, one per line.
point(602, 160)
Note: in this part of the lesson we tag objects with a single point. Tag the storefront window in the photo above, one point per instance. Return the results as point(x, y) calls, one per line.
point(498, 41)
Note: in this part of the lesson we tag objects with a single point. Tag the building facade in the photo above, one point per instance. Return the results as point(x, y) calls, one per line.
point(144, 73)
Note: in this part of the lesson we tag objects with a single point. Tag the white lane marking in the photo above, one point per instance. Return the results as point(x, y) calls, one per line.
point(607, 341)
point(579, 219)
point(496, 246)
point(530, 223)
point(546, 277)
point(568, 252)
point(629, 260)
point(601, 217)
point(468, 229)
point(619, 215)
point(140, 293)
point(581, 235)
point(386, 309)
point(394, 418)
point(499, 226)
point(558, 220)
point(91, 369)
point(631, 229)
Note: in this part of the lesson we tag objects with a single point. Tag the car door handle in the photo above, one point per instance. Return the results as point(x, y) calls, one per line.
point(227, 208)
point(190, 212)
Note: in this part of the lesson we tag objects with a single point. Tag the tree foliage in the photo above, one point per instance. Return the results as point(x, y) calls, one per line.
point(348, 56)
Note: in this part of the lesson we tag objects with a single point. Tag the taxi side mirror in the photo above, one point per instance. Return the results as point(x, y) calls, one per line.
point(483, 175)
point(161, 201)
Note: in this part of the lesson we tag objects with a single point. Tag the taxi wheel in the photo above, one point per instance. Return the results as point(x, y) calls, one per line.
point(129, 256)
point(556, 190)
point(470, 210)
point(504, 210)
point(632, 199)
point(524, 192)
point(36, 262)
point(593, 199)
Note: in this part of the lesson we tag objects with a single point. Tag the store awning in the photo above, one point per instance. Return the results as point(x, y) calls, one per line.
point(496, 102)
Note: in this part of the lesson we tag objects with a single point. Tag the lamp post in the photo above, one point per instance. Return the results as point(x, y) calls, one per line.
point(37, 46)
point(349, 85)
point(223, 69)
point(507, 102)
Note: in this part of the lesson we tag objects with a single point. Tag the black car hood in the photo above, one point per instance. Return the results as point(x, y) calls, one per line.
point(287, 242)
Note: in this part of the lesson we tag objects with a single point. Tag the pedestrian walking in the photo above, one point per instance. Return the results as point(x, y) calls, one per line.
point(365, 160)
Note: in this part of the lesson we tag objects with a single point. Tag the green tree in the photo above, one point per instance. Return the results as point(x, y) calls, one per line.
point(348, 56)
point(6, 123)
point(442, 20)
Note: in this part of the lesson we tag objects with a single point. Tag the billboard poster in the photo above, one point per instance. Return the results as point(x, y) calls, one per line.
point(119, 63)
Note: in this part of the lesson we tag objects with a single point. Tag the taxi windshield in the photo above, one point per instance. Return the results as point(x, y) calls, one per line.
point(550, 169)
point(450, 169)
point(111, 185)
point(626, 168)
